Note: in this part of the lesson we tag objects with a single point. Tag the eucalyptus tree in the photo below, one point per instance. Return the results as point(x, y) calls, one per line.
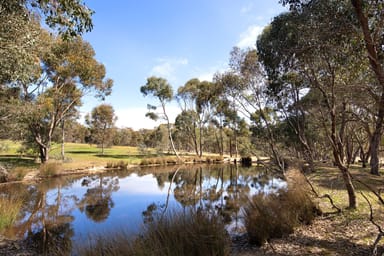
point(244, 87)
point(370, 18)
point(160, 89)
point(69, 72)
point(316, 43)
point(196, 100)
point(21, 35)
point(186, 126)
point(68, 17)
point(101, 121)
point(226, 114)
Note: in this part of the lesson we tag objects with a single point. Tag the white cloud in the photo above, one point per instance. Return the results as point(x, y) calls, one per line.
point(135, 117)
point(167, 67)
point(248, 38)
point(247, 9)
point(208, 76)
point(208, 73)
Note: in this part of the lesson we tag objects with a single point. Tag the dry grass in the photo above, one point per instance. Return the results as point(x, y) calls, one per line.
point(189, 233)
point(347, 233)
point(18, 173)
point(50, 169)
point(9, 209)
point(275, 215)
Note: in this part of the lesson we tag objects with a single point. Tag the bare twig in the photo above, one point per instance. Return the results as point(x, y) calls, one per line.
point(323, 196)
point(371, 219)
point(377, 193)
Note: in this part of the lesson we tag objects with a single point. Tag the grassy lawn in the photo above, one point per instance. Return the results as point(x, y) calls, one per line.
point(84, 155)
point(77, 155)
point(353, 225)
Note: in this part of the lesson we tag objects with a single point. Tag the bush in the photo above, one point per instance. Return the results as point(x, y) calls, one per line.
point(18, 173)
point(50, 169)
point(275, 215)
point(117, 165)
point(191, 233)
point(214, 159)
point(159, 161)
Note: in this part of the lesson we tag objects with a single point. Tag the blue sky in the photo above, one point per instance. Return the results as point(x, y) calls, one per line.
point(174, 39)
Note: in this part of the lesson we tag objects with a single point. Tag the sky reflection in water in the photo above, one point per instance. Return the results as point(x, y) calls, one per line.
point(117, 200)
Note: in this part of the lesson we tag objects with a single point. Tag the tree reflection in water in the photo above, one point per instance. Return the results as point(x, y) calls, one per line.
point(97, 201)
point(46, 222)
point(54, 211)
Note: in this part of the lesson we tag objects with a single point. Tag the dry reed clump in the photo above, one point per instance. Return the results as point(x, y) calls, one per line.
point(188, 233)
point(18, 173)
point(214, 159)
point(117, 165)
point(9, 209)
point(159, 161)
point(50, 169)
point(275, 215)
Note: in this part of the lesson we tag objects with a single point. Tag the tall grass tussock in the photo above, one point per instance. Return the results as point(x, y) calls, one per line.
point(159, 161)
point(50, 169)
point(9, 209)
point(117, 165)
point(275, 215)
point(178, 233)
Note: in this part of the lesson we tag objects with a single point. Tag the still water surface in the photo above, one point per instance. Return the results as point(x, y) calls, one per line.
point(75, 208)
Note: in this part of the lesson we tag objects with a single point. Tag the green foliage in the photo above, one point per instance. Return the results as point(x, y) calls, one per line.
point(159, 88)
point(4, 147)
point(101, 122)
point(27, 149)
point(68, 17)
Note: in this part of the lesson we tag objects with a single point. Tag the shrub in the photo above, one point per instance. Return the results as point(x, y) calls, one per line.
point(188, 233)
point(117, 165)
point(159, 161)
point(18, 173)
point(274, 215)
point(50, 169)
point(9, 209)
point(214, 159)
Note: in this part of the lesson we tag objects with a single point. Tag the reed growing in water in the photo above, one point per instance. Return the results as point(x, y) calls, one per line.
point(176, 233)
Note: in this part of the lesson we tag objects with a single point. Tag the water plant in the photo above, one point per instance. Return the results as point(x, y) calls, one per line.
point(175, 233)
point(9, 209)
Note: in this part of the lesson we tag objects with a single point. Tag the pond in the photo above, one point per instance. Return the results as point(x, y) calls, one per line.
point(71, 209)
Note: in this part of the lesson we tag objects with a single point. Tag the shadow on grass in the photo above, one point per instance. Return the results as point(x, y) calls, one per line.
point(18, 161)
point(85, 152)
point(113, 156)
point(334, 246)
point(331, 178)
